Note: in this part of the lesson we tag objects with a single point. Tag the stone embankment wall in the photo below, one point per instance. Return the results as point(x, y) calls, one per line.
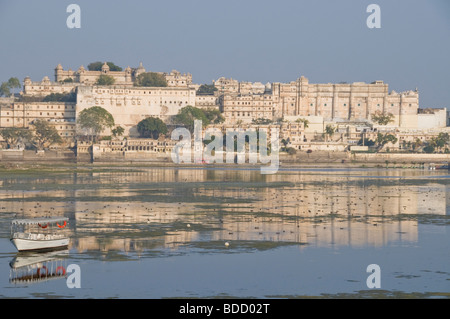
point(399, 158)
point(33, 156)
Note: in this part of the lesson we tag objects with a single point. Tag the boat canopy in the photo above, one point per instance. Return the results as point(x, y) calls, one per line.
point(40, 220)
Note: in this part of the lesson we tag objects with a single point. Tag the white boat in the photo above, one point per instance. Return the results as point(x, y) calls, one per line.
point(45, 233)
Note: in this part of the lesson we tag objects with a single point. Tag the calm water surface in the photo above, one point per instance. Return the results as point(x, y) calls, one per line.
point(141, 232)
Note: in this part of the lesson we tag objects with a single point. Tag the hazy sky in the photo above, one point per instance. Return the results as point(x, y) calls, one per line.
point(249, 40)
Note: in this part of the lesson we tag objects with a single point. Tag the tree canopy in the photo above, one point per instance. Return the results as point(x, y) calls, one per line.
point(261, 121)
point(429, 149)
point(383, 139)
point(151, 79)
point(95, 120)
point(206, 89)
point(214, 116)
point(151, 127)
point(45, 134)
point(188, 114)
point(117, 131)
point(15, 135)
point(11, 84)
point(97, 66)
point(60, 97)
point(105, 79)
point(382, 118)
point(304, 121)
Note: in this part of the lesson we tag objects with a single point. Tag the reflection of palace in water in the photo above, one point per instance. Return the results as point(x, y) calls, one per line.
point(167, 208)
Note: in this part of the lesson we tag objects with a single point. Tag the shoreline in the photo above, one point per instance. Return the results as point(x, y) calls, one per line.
point(318, 159)
point(65, 165)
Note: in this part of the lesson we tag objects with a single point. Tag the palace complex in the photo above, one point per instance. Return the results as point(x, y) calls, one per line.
point(302, 110)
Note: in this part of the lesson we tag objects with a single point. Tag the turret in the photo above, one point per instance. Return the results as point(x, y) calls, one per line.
point(105, 68)
point(58, 73)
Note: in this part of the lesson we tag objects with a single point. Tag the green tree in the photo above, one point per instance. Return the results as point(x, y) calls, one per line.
point(366, 142)
point(383, 139)
point(14, 135)
point(97, 66)
point(291, 151)
point(151, 79)
point(11, 84)
point(117, 131)
point(5, 90)
point(417, 144)
point(428, 149)
point(188, 114)
point(206, 89)
point(440, 141)
point(214, 116)
point(14, 83)
point(45, 134)
point(285, 143)
point(304, 121)
point(261, 121)
point(95, 120)
point(329, 131)
point(105, 79)
point(152, 127)
point(382, 118)
point(60, 97)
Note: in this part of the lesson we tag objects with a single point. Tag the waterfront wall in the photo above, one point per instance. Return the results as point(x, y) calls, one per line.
point(399, 158)
point(318, 157)
point(39, 156)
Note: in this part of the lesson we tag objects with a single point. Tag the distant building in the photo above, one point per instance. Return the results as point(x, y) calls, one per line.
point(126, 77)
point(239, 109)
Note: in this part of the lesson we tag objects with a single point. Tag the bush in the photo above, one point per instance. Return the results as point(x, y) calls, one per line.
point(152, 127)
point(291, 151)
point(206, 89)
point(60, 97)
point(105, 80)
point(151, 79)
point(428, 149)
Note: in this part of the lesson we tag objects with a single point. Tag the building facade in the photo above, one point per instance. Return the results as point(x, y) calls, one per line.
point(243, 109)
point(130, 105)
point(356, 101)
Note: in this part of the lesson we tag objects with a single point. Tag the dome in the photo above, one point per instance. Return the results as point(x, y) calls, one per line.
point(105, 67)
point(59, 67)
point(81, 69)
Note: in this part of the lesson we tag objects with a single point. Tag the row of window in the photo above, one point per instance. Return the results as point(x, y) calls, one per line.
point(250, 103)
point(20, 120)
point(168, 92)
point(259, 108)
point(138, 102)
point(345, 104)
point(233, 114)
point(66, 107)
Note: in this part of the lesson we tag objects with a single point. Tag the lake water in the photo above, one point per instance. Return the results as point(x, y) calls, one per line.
point(143, 232)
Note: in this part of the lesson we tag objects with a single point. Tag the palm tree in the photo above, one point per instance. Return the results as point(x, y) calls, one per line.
point(417, 144)
point(329, 130)
point(304, 121)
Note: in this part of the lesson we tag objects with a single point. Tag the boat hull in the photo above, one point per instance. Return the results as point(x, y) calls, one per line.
point(39, 245)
